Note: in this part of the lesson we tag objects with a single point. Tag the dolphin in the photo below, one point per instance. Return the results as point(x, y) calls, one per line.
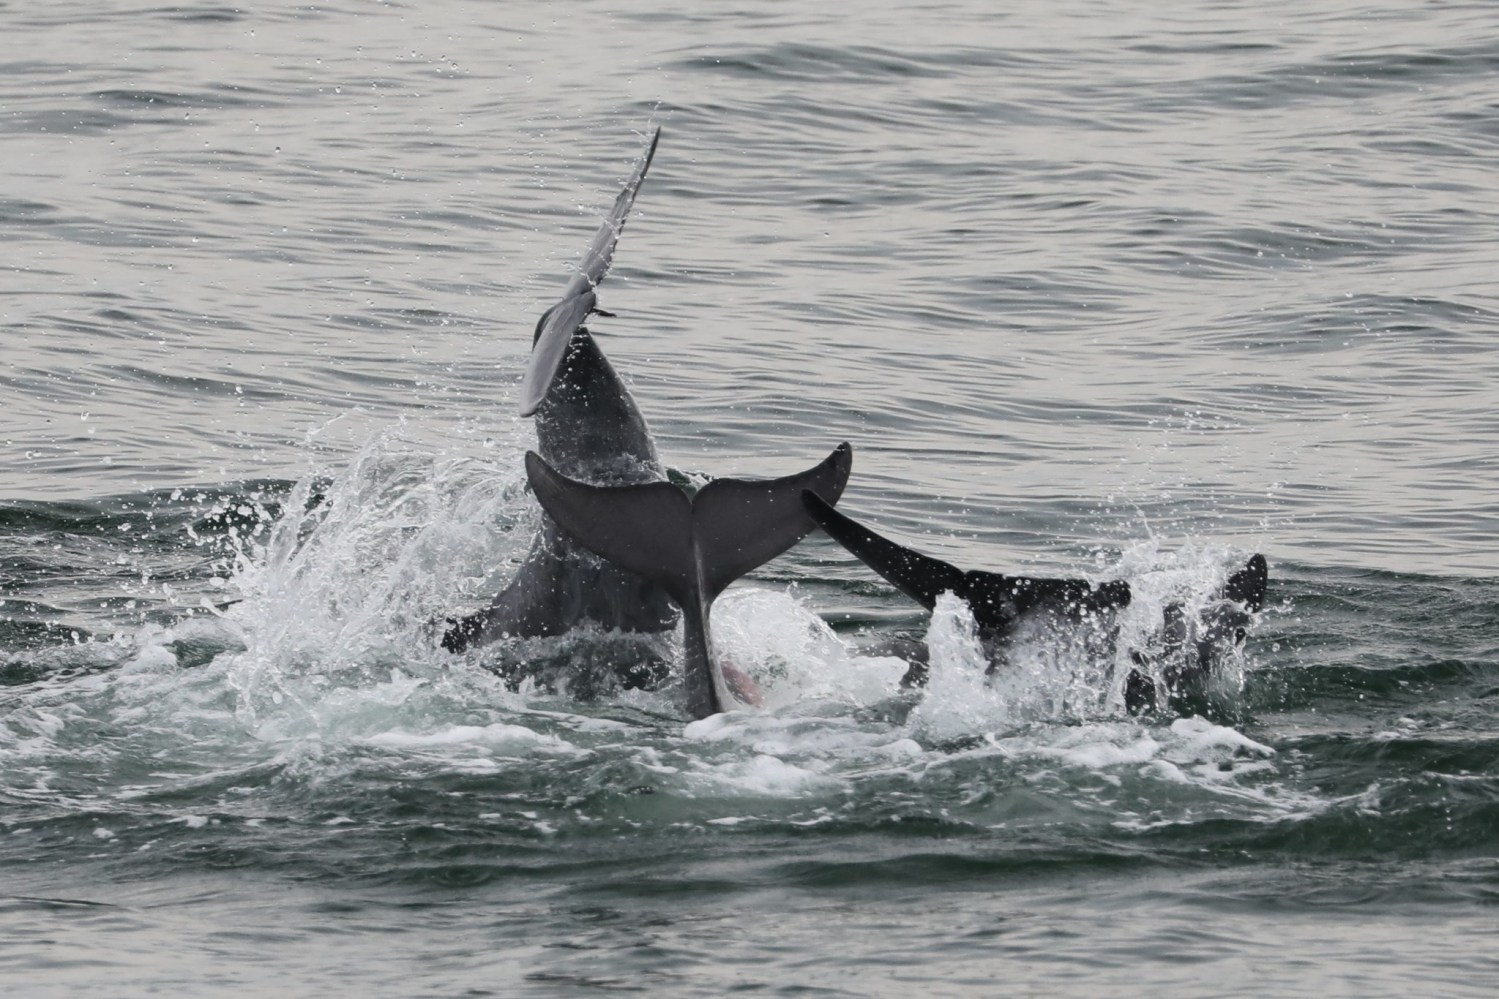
point(587, 425)
point(619, 546)
point(1002, 604)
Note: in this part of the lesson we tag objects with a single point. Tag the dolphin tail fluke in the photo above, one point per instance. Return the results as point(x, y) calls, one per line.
point(645, 528)
point(693, 548)
point(741, 524)
point(579, 301)
point(918, 576)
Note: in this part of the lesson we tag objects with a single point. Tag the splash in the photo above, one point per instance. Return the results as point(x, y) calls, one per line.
point(341, 603)
point(1046, 674)
point(326, 673)
point(794, 656)
point(1071, 672)
point(1188, 580)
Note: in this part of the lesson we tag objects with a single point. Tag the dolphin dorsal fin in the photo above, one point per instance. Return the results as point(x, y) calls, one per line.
point(579, 300)
point(1248, 585)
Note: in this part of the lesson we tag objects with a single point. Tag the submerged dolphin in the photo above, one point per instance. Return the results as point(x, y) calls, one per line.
point(1191, 643)
point(1001, 604)
point(598, 477)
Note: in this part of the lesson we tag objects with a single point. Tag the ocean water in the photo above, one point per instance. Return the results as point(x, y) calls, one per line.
point(1093, 287)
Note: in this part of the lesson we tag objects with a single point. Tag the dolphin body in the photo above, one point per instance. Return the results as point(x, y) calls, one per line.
point(1002, 605)
point(620, 547)
point(588, 425)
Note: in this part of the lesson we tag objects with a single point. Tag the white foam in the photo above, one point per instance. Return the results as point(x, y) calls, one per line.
point(793, 655)
point(359, 586)
point(711, 728)
point(758, 777)
point(1202, 739)
point(513, 739)
point(820, 738)
point(1097, 754)
point(958, 700)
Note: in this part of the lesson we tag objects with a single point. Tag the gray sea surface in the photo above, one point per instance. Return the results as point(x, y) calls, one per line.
point(1094, 287)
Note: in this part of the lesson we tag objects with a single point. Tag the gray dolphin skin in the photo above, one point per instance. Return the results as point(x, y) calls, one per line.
point(1000, 604)
point(558, 327)
point(620, 548)
point(588, 426)
point(692, 547)
point(623, 549)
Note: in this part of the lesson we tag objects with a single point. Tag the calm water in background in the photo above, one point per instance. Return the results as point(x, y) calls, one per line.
point(1093, 287)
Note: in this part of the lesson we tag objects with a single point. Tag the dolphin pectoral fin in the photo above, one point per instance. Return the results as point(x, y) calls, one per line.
point(692, 548)
point(918, 576)
point(1224, 624)
point(558, 323)
point(1248, 585)
point(527, 608)
point(553, 333)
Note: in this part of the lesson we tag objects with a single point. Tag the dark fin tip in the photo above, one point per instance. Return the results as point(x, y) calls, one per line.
point(1248, 585)
point(461, 632)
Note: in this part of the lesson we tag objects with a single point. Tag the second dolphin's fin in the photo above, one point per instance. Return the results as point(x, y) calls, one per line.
point(692, 547)
point(1248, 585)
point(556, 327)
point(997, 601)
point(918, 576)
